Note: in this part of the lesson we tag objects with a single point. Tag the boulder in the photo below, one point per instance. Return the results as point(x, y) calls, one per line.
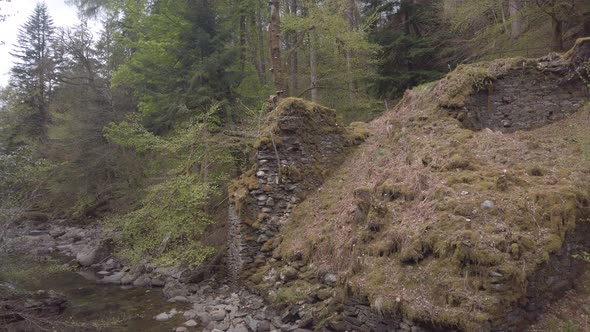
point(95, 252)
point(115, 278)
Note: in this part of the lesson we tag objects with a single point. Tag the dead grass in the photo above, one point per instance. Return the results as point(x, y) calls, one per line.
point(434, 250)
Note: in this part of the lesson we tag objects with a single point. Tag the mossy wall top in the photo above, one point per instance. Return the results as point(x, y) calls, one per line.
point(526, 93)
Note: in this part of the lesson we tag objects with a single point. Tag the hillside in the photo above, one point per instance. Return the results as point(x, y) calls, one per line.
point(441, 222)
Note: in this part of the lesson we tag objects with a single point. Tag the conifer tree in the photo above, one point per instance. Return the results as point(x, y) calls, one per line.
point(33, 73)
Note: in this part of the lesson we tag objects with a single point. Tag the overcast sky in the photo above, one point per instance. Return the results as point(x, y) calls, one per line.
point(19, 10)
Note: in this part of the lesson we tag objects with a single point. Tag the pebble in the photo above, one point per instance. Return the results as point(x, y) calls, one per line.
point(487, 204)
point(190, 323)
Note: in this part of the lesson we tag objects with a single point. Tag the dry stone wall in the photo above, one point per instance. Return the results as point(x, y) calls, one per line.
point(527, 96)
point(302, 142)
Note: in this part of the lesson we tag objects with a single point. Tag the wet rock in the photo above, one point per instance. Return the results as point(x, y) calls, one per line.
point(142, 281)
point(175, 288)
point(190, 323)
point(157, 282)
point(115, 278)
point(128, 278)
point(95, 252)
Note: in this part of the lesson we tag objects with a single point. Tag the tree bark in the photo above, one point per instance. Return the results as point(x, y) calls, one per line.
point(293, 65)
point(517, 20)
point(352, 17)
point(557, 39)
point(275, 49)
point(313, 67)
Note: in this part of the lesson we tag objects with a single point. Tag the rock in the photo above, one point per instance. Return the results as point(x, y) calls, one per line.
point(181, 329)
point(238, 328)
point(190, 323)
point(114, 278)
point(252, 323)
point(142, 281)
point(189, 314)
point(103, 273)
point(204, 317)
point(175, 288)
point(95, 252)
point(111, 264)
point(157, 282)
point(178, 298)
point(162, 317)
point(288, 273)
point(487, 204)
point(217, 314)
point(330, 279)
point(128, 278)
point(264, 326)
point(221, 326)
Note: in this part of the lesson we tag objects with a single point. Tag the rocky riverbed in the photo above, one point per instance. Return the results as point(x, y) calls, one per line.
point(93, 279)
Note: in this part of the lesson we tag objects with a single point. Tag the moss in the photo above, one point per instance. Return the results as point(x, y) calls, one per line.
point(463, 178)
point(536, 170)
point(553, 244)
point(239, 190)
point(515, 251)
point(356, 133)
point(293, 293)
point(292, 173)
point(465, 80)
point(268, 246)
point(460, 163)
point(391, 191)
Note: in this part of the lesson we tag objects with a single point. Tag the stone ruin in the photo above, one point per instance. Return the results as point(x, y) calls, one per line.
point(302, 142)
point(531, 94)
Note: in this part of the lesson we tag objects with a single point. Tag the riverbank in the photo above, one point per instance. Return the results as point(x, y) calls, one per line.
point(102, 293)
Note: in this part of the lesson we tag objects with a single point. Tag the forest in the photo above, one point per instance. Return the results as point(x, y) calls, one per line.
point(297, 165)
point(141, 128)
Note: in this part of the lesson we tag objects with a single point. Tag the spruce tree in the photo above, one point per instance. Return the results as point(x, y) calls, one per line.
point(33, 73)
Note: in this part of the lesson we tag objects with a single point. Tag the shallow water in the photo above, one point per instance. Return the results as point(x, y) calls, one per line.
point(96, 306)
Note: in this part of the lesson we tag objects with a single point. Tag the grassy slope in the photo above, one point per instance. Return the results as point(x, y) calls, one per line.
point(427, 247)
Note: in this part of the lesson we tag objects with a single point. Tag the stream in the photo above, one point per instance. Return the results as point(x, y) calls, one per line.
point(91, 305)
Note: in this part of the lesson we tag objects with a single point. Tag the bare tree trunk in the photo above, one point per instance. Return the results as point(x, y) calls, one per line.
point(313, 67)
point(242, 41)
point(352, 16)
point(293, 65)
point(275, 49)
point(517, 20)
point(557, 39)
point(503, 17)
